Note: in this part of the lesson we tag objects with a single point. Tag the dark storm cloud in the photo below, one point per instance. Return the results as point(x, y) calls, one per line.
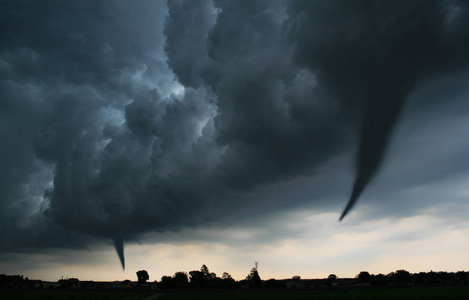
point(67, 71)
point(272, 120)
point(103, 142)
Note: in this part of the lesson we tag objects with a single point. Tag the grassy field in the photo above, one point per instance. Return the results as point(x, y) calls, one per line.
point(74, 295)
point(362, 294)
point(407, 293)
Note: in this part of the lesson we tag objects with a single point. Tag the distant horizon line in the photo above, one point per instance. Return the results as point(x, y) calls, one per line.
point(269, 278)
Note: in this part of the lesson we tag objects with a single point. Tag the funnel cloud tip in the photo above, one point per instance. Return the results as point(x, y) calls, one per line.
point(344, 213)
point(119, 246)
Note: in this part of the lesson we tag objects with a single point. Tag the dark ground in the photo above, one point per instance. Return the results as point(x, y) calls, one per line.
point(455, 292)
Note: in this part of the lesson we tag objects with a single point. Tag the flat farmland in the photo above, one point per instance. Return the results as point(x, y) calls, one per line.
point(359, 294)
point(362, 294)
point(73, 295)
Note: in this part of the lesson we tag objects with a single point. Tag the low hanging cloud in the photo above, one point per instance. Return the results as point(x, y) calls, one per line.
point(124, 118)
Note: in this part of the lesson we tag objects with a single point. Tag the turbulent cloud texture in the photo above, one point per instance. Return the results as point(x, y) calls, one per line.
point(120, 118)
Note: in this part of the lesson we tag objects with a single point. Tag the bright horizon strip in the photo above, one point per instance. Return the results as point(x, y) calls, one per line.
point(342, 253)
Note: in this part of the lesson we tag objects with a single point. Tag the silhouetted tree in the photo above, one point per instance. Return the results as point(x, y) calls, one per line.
point(208, 276)
point(402, 276)
point(226, 281)
point(254, 278)
point(203, 277)
point(167, 282)
point(212, 276)
point(390, 277)
point(364, 276)
point(226, 276)
point(197, 278)
point(142, 276)
point(296, 278)
point(180, 277)
point(180, 280)
point(379, 279)
point(331, 280)
point(205, 271)
point(332, 277)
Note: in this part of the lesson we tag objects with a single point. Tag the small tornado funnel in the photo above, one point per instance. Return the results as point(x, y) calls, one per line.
point(357, 190)
point(119, 245)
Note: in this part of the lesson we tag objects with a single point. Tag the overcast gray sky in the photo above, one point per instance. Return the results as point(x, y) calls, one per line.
point(228, 132)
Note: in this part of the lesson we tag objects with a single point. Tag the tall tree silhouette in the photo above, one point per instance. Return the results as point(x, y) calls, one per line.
point(142, 276)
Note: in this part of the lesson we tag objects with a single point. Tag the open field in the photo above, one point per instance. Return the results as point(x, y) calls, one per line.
point(391, 293)
point(395, 293)
point(362, 294)
point(74, 295)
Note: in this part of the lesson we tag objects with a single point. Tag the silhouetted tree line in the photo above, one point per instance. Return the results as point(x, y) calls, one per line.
point(204, 279)
point(403, 277)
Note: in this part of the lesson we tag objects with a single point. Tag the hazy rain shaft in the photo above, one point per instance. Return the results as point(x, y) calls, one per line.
point(136, 117)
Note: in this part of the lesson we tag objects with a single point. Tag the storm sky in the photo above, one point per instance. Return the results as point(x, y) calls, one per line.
point(184, 133)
